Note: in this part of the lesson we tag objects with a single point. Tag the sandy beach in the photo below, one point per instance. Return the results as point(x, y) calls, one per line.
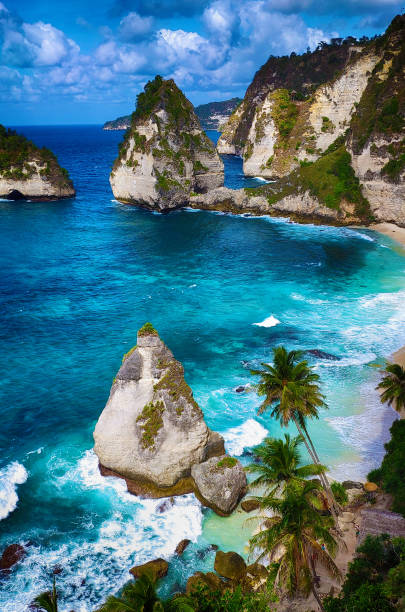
point(399, 357)
point(390, 229)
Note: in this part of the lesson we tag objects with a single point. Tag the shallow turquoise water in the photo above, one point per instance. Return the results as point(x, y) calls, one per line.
point(78, 278)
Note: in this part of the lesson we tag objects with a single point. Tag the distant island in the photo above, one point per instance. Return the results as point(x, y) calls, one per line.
point(30, 172)
point(212, 115)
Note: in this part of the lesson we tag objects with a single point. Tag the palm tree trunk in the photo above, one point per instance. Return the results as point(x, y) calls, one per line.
point(325, 478)
point(315, 459)
point(318, 599)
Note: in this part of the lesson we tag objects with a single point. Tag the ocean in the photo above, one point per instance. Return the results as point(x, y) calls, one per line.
point(79, 277)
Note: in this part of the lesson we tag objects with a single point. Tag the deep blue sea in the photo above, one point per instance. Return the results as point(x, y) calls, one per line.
point(79, 277)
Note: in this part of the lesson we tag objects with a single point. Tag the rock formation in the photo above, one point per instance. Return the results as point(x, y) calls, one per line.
point(330, 133)
point(152, 431)
point(27, 172)
point(165, 155)
point(220, 483)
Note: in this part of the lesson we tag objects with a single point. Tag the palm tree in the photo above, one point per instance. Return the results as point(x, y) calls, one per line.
point(47, 601)
point(393, 384)
point(141, 596)
point(301, 537)
point(293, 387)
point(281, 464)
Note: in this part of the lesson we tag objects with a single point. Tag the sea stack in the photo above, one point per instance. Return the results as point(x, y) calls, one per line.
point(152, 431)
point(165, 155)
point(27, 172)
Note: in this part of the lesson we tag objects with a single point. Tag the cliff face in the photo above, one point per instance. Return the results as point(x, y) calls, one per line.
point(165, 154)
point(300, 74)
point(340, 152)
point(27, 172)
point(377, 132)
point(152, 431)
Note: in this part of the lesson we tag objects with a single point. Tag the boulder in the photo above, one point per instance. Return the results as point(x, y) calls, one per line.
point(257, 570)
point(152, 430)
point(352, 484)
point(240, 389)
point(181, 546)
point(370, 487)
point(156, 569)
point(248, 505)
point(12, 555)
point(230, 565)
point(220, 483)
point(210, 580)
point(165, 155)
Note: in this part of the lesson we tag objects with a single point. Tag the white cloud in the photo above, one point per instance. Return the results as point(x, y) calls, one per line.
point(134, 28)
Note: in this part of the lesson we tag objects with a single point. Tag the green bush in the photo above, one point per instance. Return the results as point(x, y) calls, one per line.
point(375, 578)
point(339, 493)
point(391, 475)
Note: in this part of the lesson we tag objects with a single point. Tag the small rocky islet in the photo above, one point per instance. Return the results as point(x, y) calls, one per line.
point(153, 434)
point(28, 172)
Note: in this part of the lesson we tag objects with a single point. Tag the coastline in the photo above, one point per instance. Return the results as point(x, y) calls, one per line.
point(395, 232)
point(399, 356)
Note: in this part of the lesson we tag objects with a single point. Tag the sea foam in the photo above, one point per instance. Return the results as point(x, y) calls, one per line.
point(12, 475)
point(271, 321)
point(250, 433)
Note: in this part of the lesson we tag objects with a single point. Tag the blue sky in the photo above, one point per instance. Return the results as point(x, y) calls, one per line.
point(80, 61)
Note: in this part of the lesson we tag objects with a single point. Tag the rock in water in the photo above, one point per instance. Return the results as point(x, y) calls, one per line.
point(230, 565)
point(27, 172)
point(221, 482)
point(157, 568)
point(152, 432)
point(11, 555)
point(165, 155)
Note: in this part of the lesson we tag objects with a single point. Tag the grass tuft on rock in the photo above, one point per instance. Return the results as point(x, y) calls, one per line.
point(226, 462)
point(151, 419)
point(147, 330)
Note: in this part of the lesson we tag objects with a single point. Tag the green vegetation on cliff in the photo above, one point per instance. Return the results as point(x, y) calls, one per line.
point(331, 179)
point(391, 475)
point(381, 110)
point(19, 158)
point(375, 580)
point(151, 421)
point(177, 142)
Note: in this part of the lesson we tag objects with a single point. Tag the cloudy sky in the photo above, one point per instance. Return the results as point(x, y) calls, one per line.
point(84, 61)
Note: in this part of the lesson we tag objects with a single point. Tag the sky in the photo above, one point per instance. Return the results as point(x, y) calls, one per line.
point(82, 62)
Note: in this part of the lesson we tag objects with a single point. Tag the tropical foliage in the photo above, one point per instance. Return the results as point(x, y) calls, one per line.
point(300, 537)
point(281, 464)
point(291, 390)
point(48, 601)
point(393, 386)
point(391, 475)
point(375, 581)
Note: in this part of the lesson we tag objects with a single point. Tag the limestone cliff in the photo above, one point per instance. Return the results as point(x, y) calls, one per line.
point(27, 172)
point(377, 132)
point(152, 431)
point(338, 153)
point(165, 155)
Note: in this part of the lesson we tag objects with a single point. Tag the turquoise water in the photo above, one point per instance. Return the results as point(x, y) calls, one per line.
point(79, 277)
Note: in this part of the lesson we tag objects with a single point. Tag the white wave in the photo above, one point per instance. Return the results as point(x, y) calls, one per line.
point(192, 286)
point(97, 564)
point(358, 234)
point(396, 300)
point(351, 360)
point(271, 321)
point(301, 298)
point(250, 433)
point(261, 179)
point(12, 475)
